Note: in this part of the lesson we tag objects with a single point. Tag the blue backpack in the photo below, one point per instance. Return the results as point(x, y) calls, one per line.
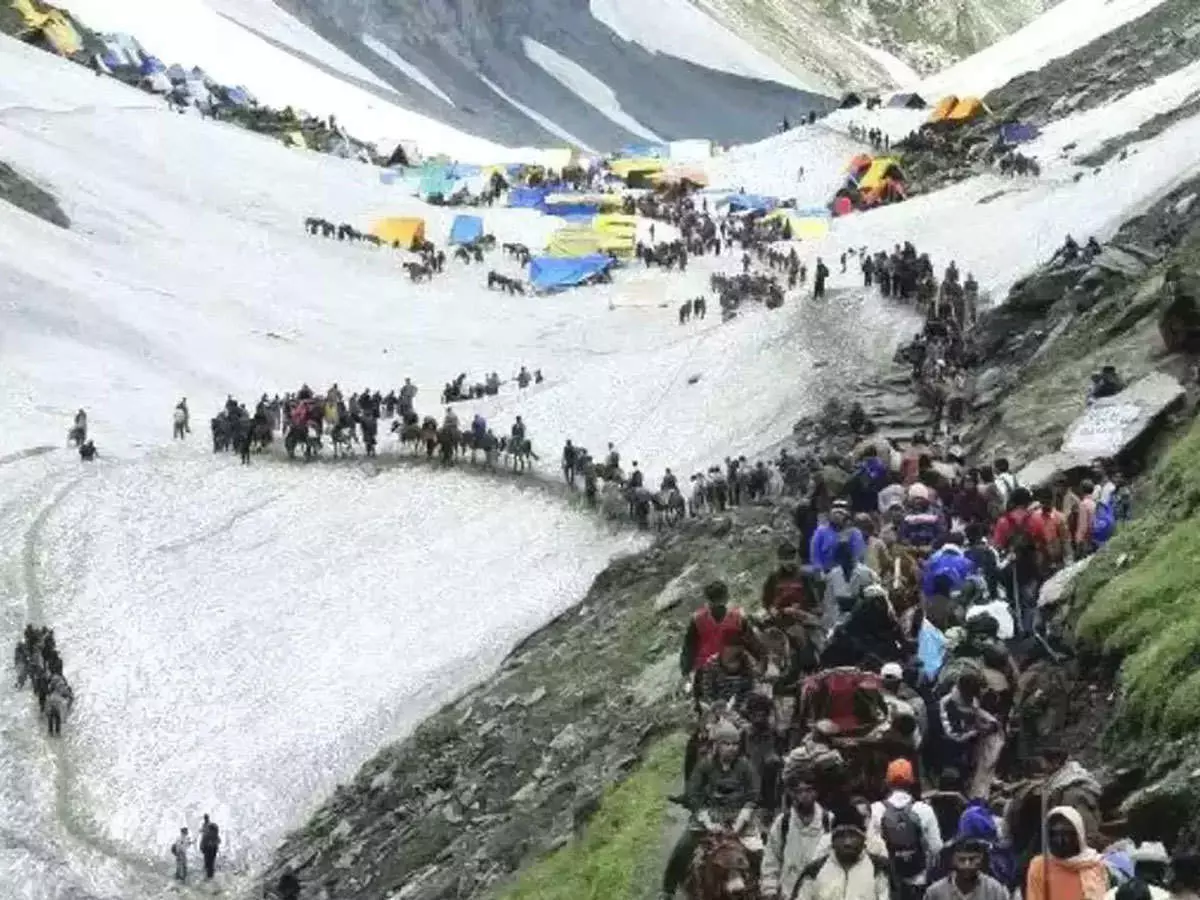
point(1103, 524)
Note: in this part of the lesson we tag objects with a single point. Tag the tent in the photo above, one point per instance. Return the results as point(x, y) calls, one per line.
point(55, 31)
point(157, 83)
point(605, 202)
point(548, 273)
point(967, 109)
point(1018, 133)
point(681, 174)
point(571, 209)
point(403, 230)
point(635, 169)
point(883, 168)
point(574, 242)
point(805, 224)
point(850, 100)
point(294, 139)
point(400, 157)
point(437, 178)
point(644, 151)
point(942, 110)
point(750, 203)
point(620, 233)
point(843, 206)
point(237, 96)
point(152, 64)
point(466, 229)
point(177, 73)
point(907, 101)
point(527, 198)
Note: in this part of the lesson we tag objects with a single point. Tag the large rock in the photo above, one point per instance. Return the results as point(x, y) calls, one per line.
point(1043, 470)
point(1112, 424)
point(1059, 585)
point(1120, 262)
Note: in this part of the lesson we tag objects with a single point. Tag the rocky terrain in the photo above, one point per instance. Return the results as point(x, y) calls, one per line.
point(515, 768)
point(20, 191)
point(1158, 43)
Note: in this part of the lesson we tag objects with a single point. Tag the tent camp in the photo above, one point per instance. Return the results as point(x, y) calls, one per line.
point(636, 172)
point(907, 101)
point(942, 110)
point(548, 273)
point(1018, 133)
point(883, 168)
point(466, 229)
point(967, 110)
point(402, 230)
point(152, 64)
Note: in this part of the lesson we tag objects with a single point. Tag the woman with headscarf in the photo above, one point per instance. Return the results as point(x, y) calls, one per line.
point(1069, 869)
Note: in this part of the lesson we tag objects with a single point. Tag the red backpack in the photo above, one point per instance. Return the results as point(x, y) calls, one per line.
point(790, 593)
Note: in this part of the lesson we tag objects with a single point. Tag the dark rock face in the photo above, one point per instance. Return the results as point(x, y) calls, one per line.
point(517, 765)
point(22, 192)
point(458, 43)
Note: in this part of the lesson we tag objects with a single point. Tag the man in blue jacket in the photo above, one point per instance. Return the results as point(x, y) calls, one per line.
point(951, 561)
point(830, 533)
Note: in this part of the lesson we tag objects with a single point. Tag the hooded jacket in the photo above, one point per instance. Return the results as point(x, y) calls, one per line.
point(826, 537)
point(1082, 877)
point(951, 562)
point(827, 879)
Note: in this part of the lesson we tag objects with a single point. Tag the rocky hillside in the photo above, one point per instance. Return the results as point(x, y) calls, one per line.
point(927, 36)
point(725, 69)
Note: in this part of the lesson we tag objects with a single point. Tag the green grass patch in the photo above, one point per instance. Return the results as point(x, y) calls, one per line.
point(1146, 609)
point(621, 849)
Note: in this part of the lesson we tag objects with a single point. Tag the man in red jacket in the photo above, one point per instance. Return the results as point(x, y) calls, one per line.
point(711, 628)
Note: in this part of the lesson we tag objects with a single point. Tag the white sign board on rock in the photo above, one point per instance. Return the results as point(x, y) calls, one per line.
point(1111, 424)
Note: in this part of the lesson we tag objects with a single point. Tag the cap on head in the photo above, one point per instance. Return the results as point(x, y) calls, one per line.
point(892, 672)
point(900, 774)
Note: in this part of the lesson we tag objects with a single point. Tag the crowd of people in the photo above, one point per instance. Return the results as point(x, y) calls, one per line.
point(38, 663)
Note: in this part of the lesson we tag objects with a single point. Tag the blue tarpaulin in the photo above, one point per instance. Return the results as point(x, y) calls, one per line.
point(152, 64)
point(1018, 133)
point(238, 96)
point(466, 229)
point(572, 210)
point(527, 197)
point(548, 273)
point(644, 151)
point(751, 202)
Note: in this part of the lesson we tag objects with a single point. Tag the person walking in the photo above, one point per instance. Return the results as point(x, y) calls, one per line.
point(179, 850)
point(210, 843)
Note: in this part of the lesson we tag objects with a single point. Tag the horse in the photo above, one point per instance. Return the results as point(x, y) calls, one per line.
point(518, 453)
point(669, 507)
point(721, 870)
point(462, 253)
point(408, 433)
point(418, 271)
point(447, 440)
point(77, 435)
point(261, 435)
point(343, 438)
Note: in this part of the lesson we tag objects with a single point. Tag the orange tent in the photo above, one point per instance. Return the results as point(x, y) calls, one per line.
point(944, 107)
point(966, 110)
point(859, 162)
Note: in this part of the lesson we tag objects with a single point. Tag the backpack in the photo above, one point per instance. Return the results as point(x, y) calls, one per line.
point(833, 695)
point(1024, 544)
point(901, 830)
point(786, 825)
point(1104, 523)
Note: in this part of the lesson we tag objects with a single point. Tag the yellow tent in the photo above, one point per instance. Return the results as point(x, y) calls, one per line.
point(944, 107)
point(403, 230)
point(623, 168)
point(54, 26)
point(882, 168)
point(619, 232)
point(574, 240)
point(295, 139)
point(677, 174)
point(558, 158)
point(807, 228)
point(967, 109)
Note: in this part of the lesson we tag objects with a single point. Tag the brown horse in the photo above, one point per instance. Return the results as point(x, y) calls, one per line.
point(721, 870)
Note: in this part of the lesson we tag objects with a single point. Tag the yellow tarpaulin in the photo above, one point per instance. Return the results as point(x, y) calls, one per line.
point(584, 240)
point(966, 109)
point(622, 168)
point(402, 230)
point(619, 231)
point(881, 169)
point(809, 229)
point(54, 26)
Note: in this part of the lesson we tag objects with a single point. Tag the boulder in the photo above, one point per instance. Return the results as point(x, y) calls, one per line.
point(1120, 262)
point(1058, 586)
point(1042, 471)
point(1112, 424)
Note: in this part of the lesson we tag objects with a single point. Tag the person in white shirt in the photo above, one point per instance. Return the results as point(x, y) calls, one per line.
point(796, 837)
point(909, 829)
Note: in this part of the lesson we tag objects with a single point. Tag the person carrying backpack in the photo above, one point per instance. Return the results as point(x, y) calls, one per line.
point(910, 832)
point(1017, 533)
point(179, 850)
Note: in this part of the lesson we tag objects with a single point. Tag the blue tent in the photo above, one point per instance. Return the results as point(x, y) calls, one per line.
point(644, 151)
point(753, 202)
point(567, 209)
point(548, 273)
point(466, 229)
point(152, 64)
point(527, 197)
point(238, 96)
point(1018, 133)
